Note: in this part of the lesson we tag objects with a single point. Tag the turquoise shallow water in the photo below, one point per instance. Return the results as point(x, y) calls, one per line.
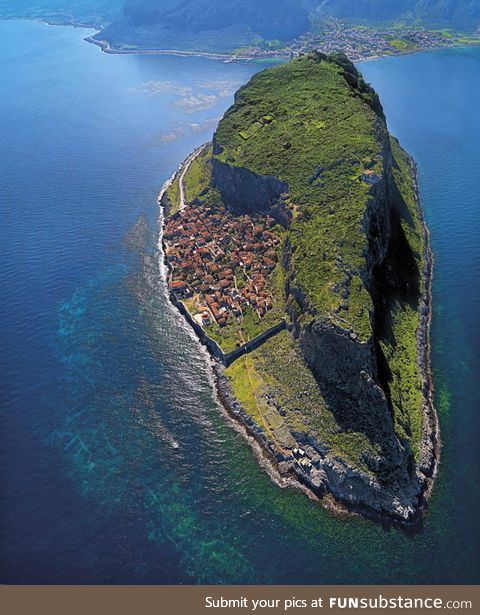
point(117, 465)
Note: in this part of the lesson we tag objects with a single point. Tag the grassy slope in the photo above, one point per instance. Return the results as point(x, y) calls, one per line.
point(207, 25)
point(196, 179)
point(285, 393)
point(280, 373)
point(402, 45)
point(199, 174)
point(173, 194)
point(320, 127)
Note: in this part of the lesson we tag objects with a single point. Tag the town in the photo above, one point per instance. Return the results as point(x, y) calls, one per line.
point(220, 261)
point(357, 42)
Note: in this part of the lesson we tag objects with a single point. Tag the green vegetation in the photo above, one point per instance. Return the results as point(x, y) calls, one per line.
point(208, 25)
point(398, 332)
point(195, 180)
point(190, 305)
point(276, 371)
point(468, 40)
point(431, 13)
point(323, 132)
point(199, 174)
point(250, 389)
point(445, 32)
point(173, 194)
point(402, 44)
point(127, 47)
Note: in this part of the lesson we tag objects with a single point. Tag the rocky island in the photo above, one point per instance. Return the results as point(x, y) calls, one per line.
point(297, 250)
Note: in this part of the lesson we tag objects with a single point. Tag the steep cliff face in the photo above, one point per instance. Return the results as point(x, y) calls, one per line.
point(346, 365)
point(247, 192)
point(308, 144)
point(347, 373)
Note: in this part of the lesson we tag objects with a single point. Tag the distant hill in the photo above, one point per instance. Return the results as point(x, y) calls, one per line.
point(456, 13)
point(216, 25)
point(224, 25)
point(270, 19)
point(94, 12)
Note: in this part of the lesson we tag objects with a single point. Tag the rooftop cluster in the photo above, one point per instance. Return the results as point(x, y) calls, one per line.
point(221, 260)
point(358, 42)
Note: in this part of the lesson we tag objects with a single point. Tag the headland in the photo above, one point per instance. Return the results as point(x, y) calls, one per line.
point(297, 250)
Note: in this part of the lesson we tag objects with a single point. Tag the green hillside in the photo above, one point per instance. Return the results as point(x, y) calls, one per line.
point(207, 25)
point(321, 135)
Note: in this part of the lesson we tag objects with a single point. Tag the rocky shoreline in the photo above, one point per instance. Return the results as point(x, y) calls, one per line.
point(326, 483)
point(431, 444)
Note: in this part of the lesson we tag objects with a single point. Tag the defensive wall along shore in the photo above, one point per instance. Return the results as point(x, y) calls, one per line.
point(214, 348)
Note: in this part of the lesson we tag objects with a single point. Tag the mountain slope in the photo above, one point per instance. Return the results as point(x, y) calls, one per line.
point(216, 25)
point(307, 144)
point(450, 13)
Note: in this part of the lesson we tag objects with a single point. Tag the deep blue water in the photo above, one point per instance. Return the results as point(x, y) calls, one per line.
point(117, 465)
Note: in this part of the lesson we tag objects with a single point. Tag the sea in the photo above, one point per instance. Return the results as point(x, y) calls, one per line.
point(117, 464)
